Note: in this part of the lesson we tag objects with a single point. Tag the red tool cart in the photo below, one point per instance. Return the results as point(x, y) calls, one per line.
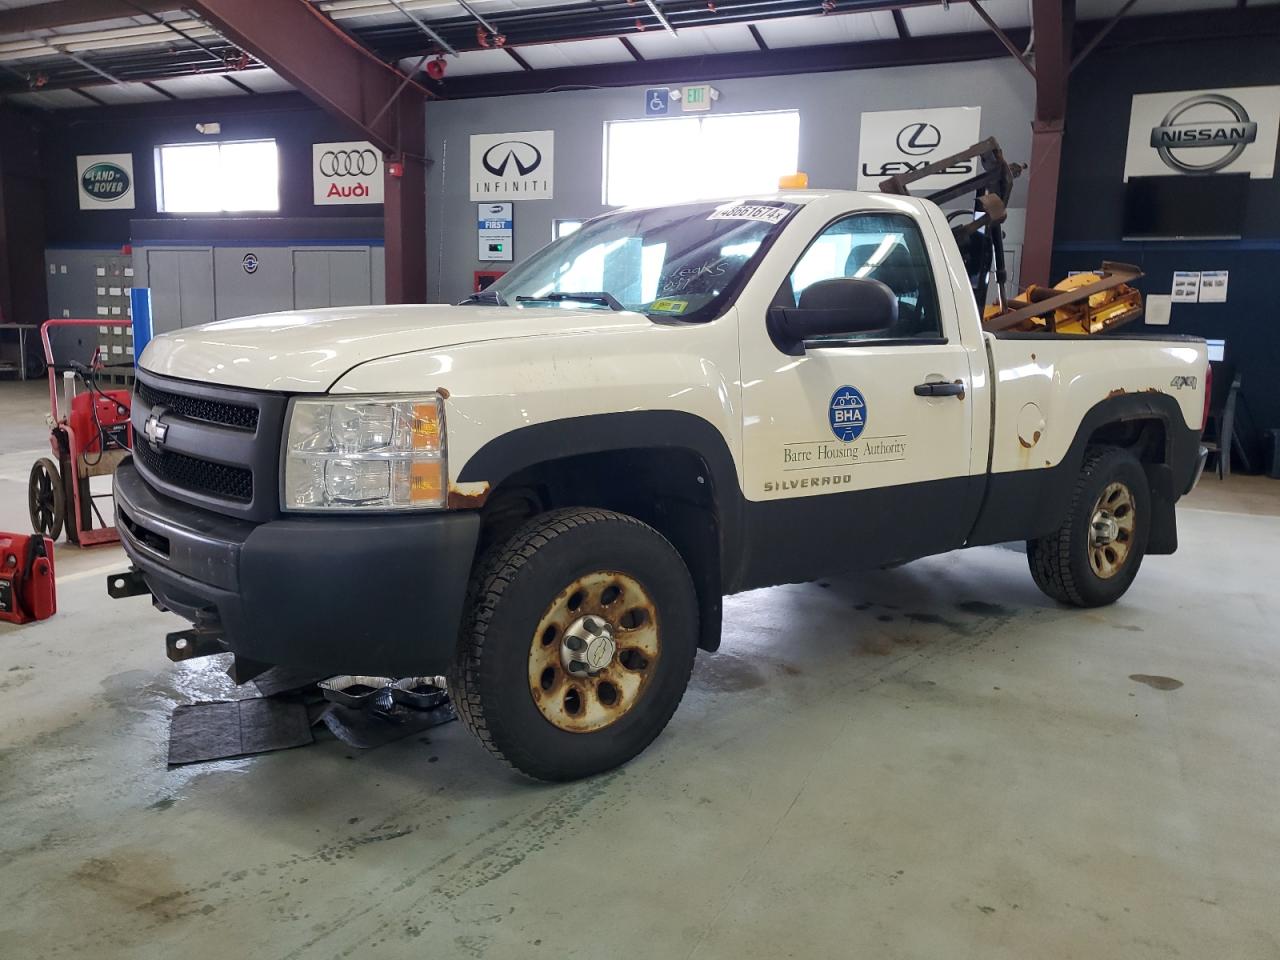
point(89, 427)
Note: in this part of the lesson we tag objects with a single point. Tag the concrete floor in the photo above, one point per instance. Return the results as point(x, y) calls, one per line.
point(929, 762)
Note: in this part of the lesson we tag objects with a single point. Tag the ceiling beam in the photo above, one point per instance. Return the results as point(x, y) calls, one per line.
point(68, 13)
point(524, 64)
point(721, 66)
point(756, 36)
point(631, 49)
point(313, 54)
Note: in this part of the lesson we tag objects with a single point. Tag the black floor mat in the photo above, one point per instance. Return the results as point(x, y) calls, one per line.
point(236, 728)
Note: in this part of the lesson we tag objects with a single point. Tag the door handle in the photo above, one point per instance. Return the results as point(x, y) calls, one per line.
point(941, 389)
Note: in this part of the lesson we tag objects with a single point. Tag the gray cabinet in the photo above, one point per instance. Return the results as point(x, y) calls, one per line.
point(332, 278)
point(182, 289)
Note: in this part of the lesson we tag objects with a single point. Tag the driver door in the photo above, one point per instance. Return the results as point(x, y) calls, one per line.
point(845, 463)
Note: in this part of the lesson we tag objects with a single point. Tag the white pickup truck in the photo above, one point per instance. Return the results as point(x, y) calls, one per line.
point(544, 492)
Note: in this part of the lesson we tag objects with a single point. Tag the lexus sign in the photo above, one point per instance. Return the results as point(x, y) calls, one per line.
point(513, 166)
point(348, 172)
point(1232, 130)
point(900, 141)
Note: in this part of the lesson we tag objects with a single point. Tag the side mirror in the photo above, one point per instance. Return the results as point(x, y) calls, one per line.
point(832, 307)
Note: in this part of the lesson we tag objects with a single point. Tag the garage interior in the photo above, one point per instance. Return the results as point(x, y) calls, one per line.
point(929, 760)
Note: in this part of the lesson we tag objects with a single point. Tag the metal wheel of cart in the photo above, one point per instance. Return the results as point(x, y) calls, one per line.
point(46, 499)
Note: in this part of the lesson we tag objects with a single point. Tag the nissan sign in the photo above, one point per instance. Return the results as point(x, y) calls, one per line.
point(348, 172)
point(893, 142)
point(1232, 130)
point(512, 166)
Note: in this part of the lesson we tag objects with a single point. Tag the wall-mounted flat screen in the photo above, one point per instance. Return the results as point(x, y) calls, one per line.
point(1185, 208)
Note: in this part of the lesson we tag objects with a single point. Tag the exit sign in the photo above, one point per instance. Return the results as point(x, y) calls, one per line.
point(696, 99)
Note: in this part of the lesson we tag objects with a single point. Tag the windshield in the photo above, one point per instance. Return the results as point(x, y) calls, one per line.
point(673, 262)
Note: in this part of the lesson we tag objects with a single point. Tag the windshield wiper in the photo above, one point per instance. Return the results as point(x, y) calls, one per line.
point(603, 297)
point(487, 296)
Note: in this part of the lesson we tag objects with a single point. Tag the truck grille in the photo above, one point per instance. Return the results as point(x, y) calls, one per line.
point(192, 473)
point(201, 408)
point(221, 448)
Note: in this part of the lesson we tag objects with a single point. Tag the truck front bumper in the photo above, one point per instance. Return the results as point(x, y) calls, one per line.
point(380, 595)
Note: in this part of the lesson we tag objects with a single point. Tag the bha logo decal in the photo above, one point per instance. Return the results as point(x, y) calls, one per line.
point(501, 157)
point(1199, 124)
point(847, 414)
point(917, 139)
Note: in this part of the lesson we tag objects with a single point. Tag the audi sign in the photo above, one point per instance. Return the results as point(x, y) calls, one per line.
point(349, 172)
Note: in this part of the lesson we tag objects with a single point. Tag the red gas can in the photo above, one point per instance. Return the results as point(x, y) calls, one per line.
point(26, 578)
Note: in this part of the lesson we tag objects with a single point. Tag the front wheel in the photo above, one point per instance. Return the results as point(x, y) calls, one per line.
point(578, 643)
point(1092, 558)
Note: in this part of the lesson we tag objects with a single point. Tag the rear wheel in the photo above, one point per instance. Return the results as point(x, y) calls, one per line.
point(46, 501)
point(578, 644)
point(1093, 557)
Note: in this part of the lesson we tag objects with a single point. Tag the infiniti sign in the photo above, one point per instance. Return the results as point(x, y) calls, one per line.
point(512, 166)
point(501, 156)
point(1229, 130)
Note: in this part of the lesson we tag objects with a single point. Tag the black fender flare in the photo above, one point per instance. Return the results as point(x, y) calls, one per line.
point(1024, 504)
point(510, 453)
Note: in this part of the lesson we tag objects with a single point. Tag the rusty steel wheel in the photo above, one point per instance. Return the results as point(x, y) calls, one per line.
point(1093, 556)
point(594, 651)
point(577, 644)
point(1111, 530)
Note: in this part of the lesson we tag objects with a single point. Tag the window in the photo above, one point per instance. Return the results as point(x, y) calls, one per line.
point(884, 247)
point(218, 177)
point(562, 228)
point(677, 160)
point(676, 262)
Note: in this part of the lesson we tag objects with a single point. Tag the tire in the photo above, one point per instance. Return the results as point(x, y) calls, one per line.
point(46, 500)
point(1078, 566)
point(515, 681)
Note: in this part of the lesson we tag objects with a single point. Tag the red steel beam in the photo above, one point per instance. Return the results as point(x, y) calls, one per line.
point(1053, 21)
point(345, 78)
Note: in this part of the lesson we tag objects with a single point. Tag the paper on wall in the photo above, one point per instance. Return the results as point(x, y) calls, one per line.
point(1159, 307)
point(1213, 286)
point(1186, 286)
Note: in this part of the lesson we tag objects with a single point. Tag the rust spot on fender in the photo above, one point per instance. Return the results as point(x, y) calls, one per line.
point(1023, 441)
point(458, 500)
point(444, 394)
point(1117, 392)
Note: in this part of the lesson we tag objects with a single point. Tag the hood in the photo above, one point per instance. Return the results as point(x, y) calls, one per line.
point(306, 351)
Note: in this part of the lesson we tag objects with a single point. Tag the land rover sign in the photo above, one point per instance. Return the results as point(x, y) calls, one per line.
point(106, 181)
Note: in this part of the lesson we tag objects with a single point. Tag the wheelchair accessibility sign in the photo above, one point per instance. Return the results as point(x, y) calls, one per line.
point(657, 101)
point(847, 414)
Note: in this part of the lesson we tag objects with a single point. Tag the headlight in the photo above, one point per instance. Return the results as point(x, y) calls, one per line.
point(380, 453)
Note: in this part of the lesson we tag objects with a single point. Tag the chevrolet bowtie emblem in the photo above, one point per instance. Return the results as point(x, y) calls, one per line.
point(154, 430)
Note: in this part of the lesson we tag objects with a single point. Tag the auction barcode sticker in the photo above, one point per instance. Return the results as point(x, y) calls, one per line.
point(752, 211)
